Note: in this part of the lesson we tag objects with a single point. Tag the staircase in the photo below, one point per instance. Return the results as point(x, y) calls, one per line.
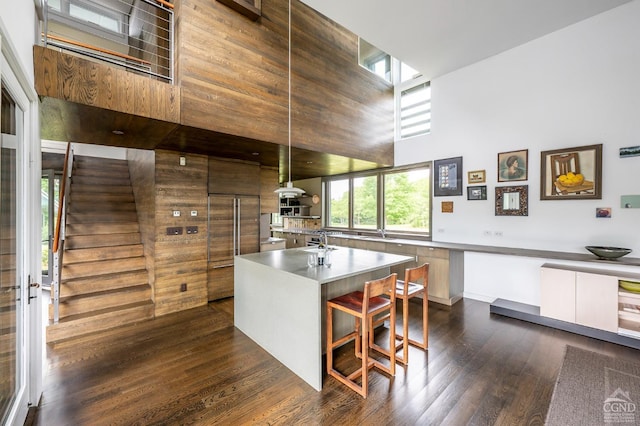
point(104, 282)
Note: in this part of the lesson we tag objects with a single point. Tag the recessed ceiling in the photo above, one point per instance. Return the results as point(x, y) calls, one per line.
point(439, 36)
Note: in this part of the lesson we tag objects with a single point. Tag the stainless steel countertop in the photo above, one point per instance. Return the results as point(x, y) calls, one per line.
point(509, 251)
point(346, 262)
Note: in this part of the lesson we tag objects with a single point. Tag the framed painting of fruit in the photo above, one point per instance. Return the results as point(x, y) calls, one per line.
point(571, 173)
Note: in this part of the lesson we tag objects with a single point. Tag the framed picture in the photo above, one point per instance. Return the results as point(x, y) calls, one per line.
point(630, 151)
point(448, 177)
point(512, 166)
point(512, 200)
point(476, 176)
point(571, 173)
point(476, 192)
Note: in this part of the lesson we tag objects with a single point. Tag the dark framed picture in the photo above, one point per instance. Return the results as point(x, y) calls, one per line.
point(571, 173)
point(630, 151)
point(512, 166)
point(448, 177)
point(512, 200)
point(476, 192)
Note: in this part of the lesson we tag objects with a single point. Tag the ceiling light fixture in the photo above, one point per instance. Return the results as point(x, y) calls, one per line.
point(289, 191)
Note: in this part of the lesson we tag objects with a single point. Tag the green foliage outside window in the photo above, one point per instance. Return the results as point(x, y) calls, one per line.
point(406, 201)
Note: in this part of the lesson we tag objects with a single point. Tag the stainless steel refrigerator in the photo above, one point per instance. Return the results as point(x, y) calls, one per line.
point(234, 229)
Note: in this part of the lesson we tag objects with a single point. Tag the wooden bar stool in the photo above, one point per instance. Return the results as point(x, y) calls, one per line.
point(363, 306)
point(416, 282)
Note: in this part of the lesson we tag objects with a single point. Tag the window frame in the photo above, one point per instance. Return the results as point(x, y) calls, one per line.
point(399, 88)
point(63, 16)
point(380, 173)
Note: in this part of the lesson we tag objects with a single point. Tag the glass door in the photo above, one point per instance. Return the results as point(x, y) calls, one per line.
point(49, 196)
point(11, 300)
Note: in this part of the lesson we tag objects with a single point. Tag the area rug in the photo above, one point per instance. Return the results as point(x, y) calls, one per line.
point(595, 389)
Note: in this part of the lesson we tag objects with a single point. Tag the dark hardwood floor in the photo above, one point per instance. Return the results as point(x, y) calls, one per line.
point(194, 367)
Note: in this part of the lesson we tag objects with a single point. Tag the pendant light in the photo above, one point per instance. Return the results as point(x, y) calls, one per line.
point(289, 191)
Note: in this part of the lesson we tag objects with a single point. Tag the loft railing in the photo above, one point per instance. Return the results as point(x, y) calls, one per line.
point(58, 236)
point(134, 34)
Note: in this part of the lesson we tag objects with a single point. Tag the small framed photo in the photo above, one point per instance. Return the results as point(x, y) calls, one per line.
point(477, 192)
point(512, 166)
point(448, 177)
point(630, 151)
point(476, 176)
point(603, 212)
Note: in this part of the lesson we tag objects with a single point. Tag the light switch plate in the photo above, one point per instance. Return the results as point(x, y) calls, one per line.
point(194, 212)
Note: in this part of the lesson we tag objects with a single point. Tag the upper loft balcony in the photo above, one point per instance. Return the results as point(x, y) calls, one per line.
point(133, 34)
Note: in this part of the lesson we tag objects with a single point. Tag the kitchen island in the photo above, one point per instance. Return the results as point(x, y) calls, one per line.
point(280, 302)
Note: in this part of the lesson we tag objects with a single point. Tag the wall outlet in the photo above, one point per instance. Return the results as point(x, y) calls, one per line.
point(183, 287)
point(194, 212)
point(183, 160)
point(176, 213)
point(174, 230)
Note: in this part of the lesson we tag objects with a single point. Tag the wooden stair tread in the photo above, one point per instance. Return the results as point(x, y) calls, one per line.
point(85, 285)
point(95, 268)
point(89, 241)
point(96, 228)
point(90, 302)
point(93, 217)
point(81, 188)
point(101, 180)
point(102, 253)
point(89, 323)
point(101, 197)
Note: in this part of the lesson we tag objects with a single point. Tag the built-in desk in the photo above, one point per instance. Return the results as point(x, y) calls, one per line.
point(280, 302)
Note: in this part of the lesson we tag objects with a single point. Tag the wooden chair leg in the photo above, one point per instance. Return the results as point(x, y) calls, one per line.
point(425, 327)
point(365, 358)
point(329, 339)
point(405, 331)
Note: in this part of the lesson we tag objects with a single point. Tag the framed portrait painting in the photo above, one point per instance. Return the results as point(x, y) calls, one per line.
point(571, 173)
point(448, 177)
point(512, 166)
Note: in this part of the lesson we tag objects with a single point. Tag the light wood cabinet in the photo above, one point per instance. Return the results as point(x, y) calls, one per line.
point(579, 295)
point(446, 273)
point(293, 240)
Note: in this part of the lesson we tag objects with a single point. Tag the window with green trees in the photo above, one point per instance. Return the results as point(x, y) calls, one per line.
point(397, 200)
point(338, 208)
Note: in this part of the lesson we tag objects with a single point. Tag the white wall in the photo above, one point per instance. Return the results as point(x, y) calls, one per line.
point(19, 20)
point(577, 86)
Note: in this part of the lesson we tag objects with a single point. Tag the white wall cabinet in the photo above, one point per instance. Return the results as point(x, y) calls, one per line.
point(580, 296)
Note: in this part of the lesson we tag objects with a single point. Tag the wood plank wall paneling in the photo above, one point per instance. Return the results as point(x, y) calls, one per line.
point(233, 74)
point(142, 172)
point(180, 258)
point(233, 177)
point(269, 200)
point(71, 78)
